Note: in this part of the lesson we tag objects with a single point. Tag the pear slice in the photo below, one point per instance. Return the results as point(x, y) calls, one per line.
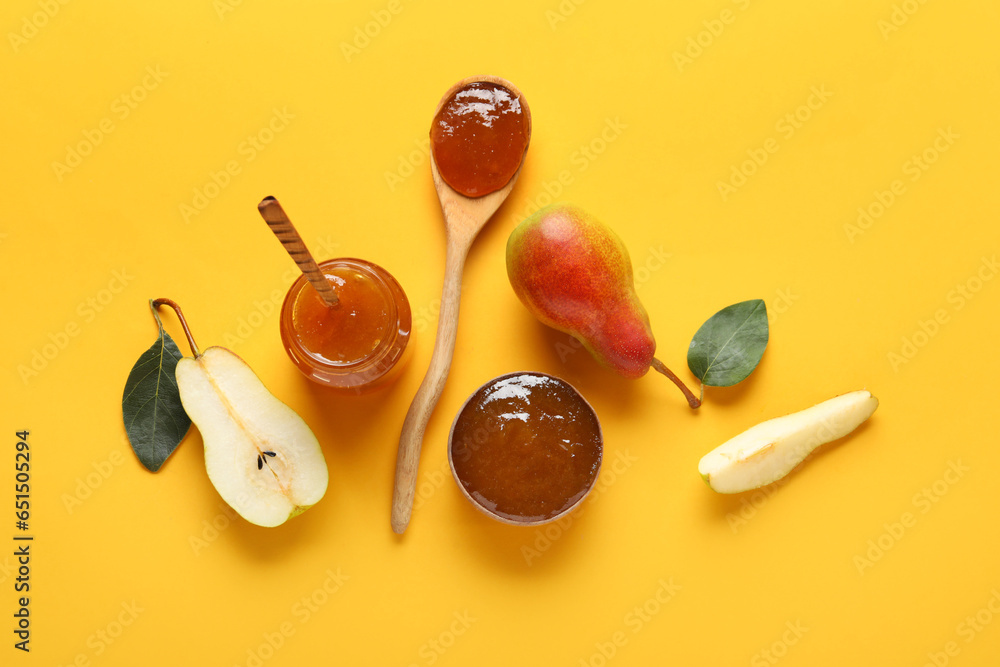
point(770, 450)
point(261, 456)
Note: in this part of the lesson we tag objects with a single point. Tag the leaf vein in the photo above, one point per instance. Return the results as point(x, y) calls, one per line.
point(724, 345)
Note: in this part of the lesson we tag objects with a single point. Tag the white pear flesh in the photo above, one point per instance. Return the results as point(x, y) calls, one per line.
point(239, 420)
point(770, 450)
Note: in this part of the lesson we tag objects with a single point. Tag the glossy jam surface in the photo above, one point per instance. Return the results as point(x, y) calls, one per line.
point(479, 137)
point(350, 331)
point(526, 447)
point(360, 342)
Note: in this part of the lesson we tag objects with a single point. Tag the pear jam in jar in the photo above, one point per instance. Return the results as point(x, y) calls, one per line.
point(357, 344)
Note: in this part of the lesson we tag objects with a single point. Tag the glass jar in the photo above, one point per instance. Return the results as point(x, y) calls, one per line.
point(356, 345)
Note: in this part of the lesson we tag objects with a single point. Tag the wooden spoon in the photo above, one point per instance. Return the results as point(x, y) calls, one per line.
point(464, 217)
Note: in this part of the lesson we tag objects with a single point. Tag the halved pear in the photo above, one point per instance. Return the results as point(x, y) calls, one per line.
point(261, 456)
point(770, 450)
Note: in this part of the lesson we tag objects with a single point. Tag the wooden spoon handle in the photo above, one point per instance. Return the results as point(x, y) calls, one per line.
point(282, 226)
point(412, 436)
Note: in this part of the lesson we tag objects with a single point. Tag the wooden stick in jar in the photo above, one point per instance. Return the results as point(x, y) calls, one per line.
point(282, 226)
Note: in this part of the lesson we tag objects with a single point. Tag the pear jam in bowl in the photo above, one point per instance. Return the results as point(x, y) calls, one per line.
point(525, 448)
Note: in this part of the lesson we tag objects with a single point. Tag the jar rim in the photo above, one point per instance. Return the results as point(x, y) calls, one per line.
point(384, 347)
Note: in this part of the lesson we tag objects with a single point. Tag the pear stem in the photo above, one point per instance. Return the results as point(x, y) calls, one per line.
point(660, 367)
point(156, 303)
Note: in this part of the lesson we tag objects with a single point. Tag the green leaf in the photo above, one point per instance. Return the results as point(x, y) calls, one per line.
point(730, 344)
point(155, 420)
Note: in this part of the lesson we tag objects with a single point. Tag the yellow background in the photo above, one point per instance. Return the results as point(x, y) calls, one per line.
point(662, 133)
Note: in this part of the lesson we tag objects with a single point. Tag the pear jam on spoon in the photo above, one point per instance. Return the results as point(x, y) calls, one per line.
point(479, 137)
point(526, 448)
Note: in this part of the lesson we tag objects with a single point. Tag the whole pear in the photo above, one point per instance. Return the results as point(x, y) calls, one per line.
point(575, 275)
